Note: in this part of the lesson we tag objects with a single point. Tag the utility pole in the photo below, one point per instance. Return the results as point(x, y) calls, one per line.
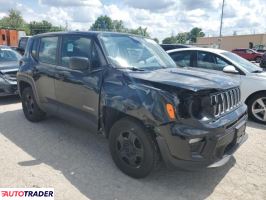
point(221, 25)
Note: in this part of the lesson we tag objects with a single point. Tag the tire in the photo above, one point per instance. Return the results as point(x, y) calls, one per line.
point(257, 107)
point(133, 149)
point(258, 59)
point(30, 108)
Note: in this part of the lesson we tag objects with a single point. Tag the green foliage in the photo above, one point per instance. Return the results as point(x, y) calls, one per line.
point(102, 23)
point(140, 31)
point(194, 33)
point(14, 20)
point(182, 38)
point(105, 23)
point(42, 27)
point(170, 40)
point(185, 37)
point(156, 40)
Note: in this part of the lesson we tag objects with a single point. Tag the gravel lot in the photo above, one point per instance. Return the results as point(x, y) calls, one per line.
point(78, 165)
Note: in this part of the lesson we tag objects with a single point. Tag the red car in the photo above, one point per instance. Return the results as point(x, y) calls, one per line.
point(249, 54)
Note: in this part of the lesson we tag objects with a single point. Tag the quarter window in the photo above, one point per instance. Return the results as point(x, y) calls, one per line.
point(47, 52)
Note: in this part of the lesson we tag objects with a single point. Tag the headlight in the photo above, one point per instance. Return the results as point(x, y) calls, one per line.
point(198, 107)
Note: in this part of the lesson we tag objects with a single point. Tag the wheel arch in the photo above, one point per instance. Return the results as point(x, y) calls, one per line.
point(25, 81)
point(112, 115)
point(253, 94)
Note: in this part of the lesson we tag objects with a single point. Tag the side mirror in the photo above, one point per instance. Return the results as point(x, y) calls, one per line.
point(79, 63)
point(230, 69)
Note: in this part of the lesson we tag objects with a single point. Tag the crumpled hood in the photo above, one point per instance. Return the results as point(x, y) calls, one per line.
point(7, 66)
point(186, 78)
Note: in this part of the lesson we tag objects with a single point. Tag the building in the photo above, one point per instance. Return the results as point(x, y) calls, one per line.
point(231, 42)
point(10, 37)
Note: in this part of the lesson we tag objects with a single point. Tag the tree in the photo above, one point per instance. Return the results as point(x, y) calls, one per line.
point(43, 27)
point(103, 23)
point(118, 25)
point(182, 38)
point(170, 40)
point(14, 20)
point(156, 40)
point(194, 33)
point(140, 31)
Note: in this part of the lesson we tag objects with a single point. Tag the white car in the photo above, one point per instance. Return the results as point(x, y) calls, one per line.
point(252, 78)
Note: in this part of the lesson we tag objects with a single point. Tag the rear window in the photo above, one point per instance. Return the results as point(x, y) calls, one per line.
point(48, 50)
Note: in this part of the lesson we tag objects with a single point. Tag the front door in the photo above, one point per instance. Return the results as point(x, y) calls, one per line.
point(77, 91)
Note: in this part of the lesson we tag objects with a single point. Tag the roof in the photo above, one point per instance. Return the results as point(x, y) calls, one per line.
point(89, 33)
point(198, 49)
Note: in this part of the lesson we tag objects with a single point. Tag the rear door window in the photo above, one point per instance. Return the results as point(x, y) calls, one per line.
point(183, 59)
point(48, 50)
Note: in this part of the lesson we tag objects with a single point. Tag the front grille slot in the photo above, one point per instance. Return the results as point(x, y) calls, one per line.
point(11, 75)
point(225, 101)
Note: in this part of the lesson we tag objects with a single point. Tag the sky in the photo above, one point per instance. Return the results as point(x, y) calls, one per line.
point(163, 18)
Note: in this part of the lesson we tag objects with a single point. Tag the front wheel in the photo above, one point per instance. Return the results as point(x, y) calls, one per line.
point(30, 108)
point(132, 148)
point(257, 108)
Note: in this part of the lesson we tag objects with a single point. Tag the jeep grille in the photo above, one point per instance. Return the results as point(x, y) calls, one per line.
point(224, 102)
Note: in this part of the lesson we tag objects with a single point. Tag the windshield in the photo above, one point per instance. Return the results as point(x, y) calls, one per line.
point(7, 55)
point(135, 52)
point(249, 66)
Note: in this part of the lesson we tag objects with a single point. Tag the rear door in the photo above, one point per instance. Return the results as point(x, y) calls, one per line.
point(45, 68)
point(77, 91)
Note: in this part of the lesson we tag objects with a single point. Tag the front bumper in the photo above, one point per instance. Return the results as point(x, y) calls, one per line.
point(7, 89)
point(218, 142)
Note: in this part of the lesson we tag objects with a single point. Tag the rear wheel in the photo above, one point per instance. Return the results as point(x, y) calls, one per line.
point(30, 108)
point(133, 149)
point(257, 108)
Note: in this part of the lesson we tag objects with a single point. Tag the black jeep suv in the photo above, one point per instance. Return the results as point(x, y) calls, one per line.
point(127, 88)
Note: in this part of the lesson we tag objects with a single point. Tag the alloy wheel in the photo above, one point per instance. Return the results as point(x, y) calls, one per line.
point(259, 109)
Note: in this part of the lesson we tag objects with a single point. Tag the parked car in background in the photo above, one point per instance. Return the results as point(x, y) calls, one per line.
point(129, 89)
point(260, 48)
point(249, 54)
point(263, 61)
point(215, 61)
point(22, 44)
point(167, 47)
point(9, 63)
